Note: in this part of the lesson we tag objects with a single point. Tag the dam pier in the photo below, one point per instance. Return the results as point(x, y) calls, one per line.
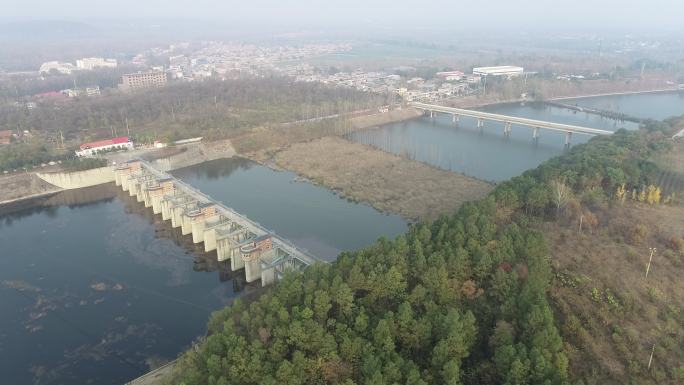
point(261, 253)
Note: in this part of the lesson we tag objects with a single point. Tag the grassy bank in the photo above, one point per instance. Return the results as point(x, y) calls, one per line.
point(388, 182)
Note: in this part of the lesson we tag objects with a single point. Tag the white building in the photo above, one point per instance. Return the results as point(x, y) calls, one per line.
point(508, 71)
point(62, 68)
point(90, 63)
point(88, 91)
point(102, 146)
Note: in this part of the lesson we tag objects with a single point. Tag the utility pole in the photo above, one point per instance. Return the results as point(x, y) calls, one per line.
point(128, 131)
point(651, 358)
point(648, 267)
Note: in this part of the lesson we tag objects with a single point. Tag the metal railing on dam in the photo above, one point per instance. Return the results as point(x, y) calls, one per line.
point(247, 244)
point(508, 121)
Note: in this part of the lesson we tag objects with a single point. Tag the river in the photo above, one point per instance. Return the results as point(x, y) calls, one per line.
point(487, 154)
point(94, 287)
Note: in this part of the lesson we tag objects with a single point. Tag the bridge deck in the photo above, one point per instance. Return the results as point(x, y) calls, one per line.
point(512, 119)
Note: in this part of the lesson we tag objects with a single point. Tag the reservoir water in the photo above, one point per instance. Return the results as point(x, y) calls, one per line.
point(657, 106)
point(94, 289)
point(309, 216)
point(487, 154)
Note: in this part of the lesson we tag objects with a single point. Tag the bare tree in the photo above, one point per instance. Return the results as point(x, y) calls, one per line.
point(561, 194)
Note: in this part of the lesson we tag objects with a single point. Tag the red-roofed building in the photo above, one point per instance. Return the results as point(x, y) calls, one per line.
point(101, 146)
point(55, 95)
point(5, 137)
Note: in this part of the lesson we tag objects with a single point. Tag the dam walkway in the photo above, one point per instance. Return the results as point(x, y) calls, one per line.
point(245, 243)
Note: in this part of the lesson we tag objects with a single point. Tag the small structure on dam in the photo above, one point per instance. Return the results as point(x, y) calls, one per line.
point(261, 253)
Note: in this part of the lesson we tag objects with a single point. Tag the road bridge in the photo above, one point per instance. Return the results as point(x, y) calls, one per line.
point(248, 245)
point(508, 121)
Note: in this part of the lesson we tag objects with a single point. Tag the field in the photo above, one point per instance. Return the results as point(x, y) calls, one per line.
point(389, 183)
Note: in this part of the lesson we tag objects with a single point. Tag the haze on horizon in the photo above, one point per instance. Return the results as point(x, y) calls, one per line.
point(456, 14)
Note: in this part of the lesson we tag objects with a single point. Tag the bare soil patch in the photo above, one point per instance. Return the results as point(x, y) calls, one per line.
point(24, 185)
point(389, 183)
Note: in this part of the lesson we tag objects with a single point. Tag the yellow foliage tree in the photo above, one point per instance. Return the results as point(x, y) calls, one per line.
point(653, 194)
point(621, 193)
point(642, 195)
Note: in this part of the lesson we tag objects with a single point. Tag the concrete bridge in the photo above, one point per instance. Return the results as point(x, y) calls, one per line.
point(261, 253)
point(508, 121)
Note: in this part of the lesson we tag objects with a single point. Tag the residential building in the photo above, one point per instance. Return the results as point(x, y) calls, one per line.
point(88, 91)
point(450, 75)
point(143, 80)
point(508, 71)
point(62, 68)
point(101, 146)
point(90, 63)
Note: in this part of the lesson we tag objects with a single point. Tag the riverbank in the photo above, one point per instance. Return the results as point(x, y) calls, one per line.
point(18, 187)
point(389, 183)
point(663, 90)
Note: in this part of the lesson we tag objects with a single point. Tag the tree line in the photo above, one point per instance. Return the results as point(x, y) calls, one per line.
point(190, 108)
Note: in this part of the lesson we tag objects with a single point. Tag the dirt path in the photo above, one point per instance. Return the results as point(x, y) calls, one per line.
point(389, 183)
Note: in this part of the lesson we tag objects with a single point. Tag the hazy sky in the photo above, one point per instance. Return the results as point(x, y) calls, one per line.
point(623, 14)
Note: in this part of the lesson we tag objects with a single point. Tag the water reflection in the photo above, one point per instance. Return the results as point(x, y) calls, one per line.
point(48, 204)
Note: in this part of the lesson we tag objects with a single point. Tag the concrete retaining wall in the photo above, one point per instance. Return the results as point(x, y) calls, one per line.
point(79, 179)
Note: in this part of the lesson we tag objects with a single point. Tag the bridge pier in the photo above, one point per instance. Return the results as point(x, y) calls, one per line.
point(198, 222)
point(535, 134)
point(251, 253)
point(125, 182)
point(212, 225)
point(147, 198)
point(227, 244)
point(568, 138)
point(507, 129)
point(132, 182)
point(480, 123)
point(178, 213)
point(455, 118)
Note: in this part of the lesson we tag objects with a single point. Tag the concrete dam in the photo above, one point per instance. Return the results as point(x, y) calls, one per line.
point(261, 253)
